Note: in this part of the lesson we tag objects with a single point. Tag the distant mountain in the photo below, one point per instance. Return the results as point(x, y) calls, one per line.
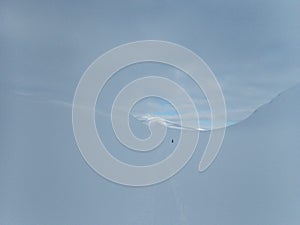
point(284, 106)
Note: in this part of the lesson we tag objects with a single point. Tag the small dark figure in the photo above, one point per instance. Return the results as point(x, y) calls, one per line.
point(172, 141)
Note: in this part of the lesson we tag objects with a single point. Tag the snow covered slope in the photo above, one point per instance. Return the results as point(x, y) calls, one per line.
point(254, 180)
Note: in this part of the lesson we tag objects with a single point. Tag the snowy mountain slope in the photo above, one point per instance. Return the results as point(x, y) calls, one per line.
point(254, 180)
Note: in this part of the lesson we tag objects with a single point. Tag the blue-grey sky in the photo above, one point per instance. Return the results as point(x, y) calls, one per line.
point(251, 46)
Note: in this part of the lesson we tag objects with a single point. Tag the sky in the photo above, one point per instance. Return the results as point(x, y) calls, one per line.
point(251, 46)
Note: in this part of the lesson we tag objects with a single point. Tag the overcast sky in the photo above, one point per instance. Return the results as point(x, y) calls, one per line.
point(251, 46)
